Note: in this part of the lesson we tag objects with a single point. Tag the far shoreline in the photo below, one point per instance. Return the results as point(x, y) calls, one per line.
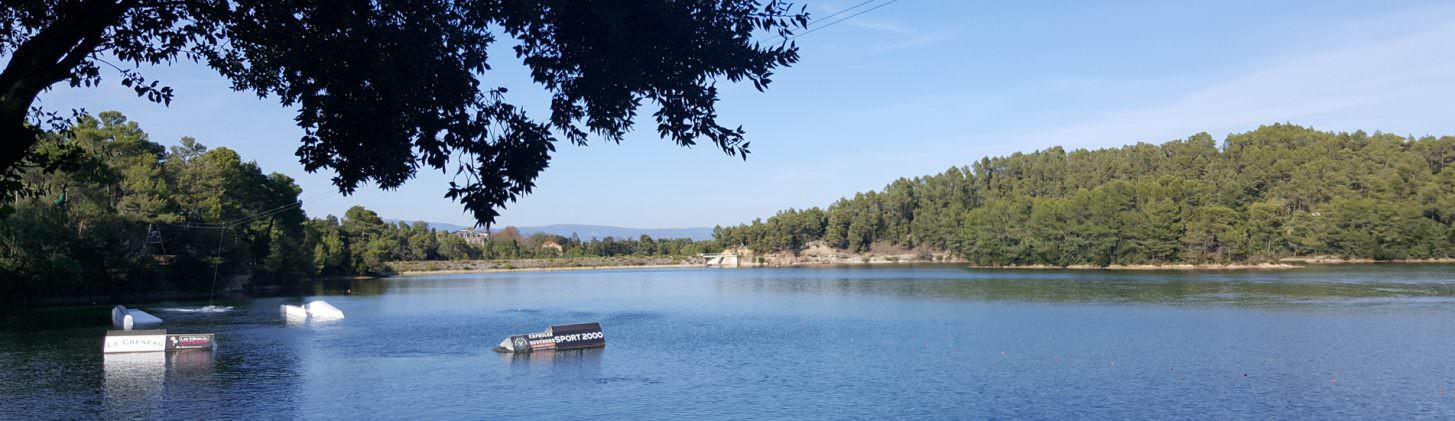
point(1153, 267)
point(413, 273)
point(1284, 264)
point(1323, 260)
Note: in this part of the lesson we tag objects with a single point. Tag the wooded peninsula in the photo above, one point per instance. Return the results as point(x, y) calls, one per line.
point(1278, 192)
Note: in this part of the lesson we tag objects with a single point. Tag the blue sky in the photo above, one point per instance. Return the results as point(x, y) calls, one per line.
point(911, 89)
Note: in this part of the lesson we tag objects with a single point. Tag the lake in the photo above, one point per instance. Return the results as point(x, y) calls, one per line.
point(1372, 341)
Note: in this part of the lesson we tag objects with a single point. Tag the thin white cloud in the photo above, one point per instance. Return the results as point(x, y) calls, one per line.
point(894, 37)
point(917, 41)
point(1399, 84)
point(878, 25)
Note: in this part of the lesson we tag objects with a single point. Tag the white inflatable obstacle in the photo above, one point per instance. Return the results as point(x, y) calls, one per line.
point(317, 311)
point(124, 318)
point(294, 313)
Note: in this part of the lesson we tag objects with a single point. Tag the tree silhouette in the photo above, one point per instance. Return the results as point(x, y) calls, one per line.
point(386, 87)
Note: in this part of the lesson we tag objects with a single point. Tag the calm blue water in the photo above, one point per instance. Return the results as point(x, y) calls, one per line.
point(814, 343)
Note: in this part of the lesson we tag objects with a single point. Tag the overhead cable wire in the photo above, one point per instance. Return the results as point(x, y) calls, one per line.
point(840, 12)
point(816, 28)
point(245, 219)
point(259, 215)
point(843, 11)
point(265, 214)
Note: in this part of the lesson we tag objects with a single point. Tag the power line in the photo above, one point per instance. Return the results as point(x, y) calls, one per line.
point(843, 11)
point(265, 214)
point(259, 215)
point(850, 16)
point(840, 12)
point(216, 267)
point(229, 224)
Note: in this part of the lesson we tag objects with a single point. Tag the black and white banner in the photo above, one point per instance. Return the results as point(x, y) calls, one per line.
point(560, 337)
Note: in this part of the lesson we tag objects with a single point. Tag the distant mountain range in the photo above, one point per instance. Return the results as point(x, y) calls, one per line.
point(587, 232)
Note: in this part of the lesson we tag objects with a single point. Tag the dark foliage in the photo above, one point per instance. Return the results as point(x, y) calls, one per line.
point(125, 215)
point(384, 88)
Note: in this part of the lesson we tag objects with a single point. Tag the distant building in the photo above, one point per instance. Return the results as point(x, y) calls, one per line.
point(472, 236)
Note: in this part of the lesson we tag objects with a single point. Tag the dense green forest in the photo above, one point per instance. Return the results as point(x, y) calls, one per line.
point(1275, 192)
point(107, 212)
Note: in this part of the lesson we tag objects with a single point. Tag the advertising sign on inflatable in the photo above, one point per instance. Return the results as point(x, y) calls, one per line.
point(556, 338)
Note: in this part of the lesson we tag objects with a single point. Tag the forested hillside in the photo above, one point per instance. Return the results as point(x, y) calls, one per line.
point(106, 212)
point(1275, 192)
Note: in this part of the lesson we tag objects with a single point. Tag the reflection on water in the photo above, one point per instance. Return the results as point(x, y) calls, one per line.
point(576, 359)
point(134, 383)
point(572, 365)
point(190, 363)
point(346, 286)
point(1254, 288)
point(1056, 290)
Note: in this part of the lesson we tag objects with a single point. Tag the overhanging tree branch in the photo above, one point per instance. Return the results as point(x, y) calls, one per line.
point(383, 88)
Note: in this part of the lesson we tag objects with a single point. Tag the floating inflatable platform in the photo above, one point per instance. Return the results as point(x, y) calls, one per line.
point(124, 318)
point(318, 311)
point(294, 313)
point(556, 338)
point(122, 341)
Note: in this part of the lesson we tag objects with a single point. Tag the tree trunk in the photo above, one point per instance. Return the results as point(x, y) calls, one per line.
point(43, 60)
point(15, 139)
